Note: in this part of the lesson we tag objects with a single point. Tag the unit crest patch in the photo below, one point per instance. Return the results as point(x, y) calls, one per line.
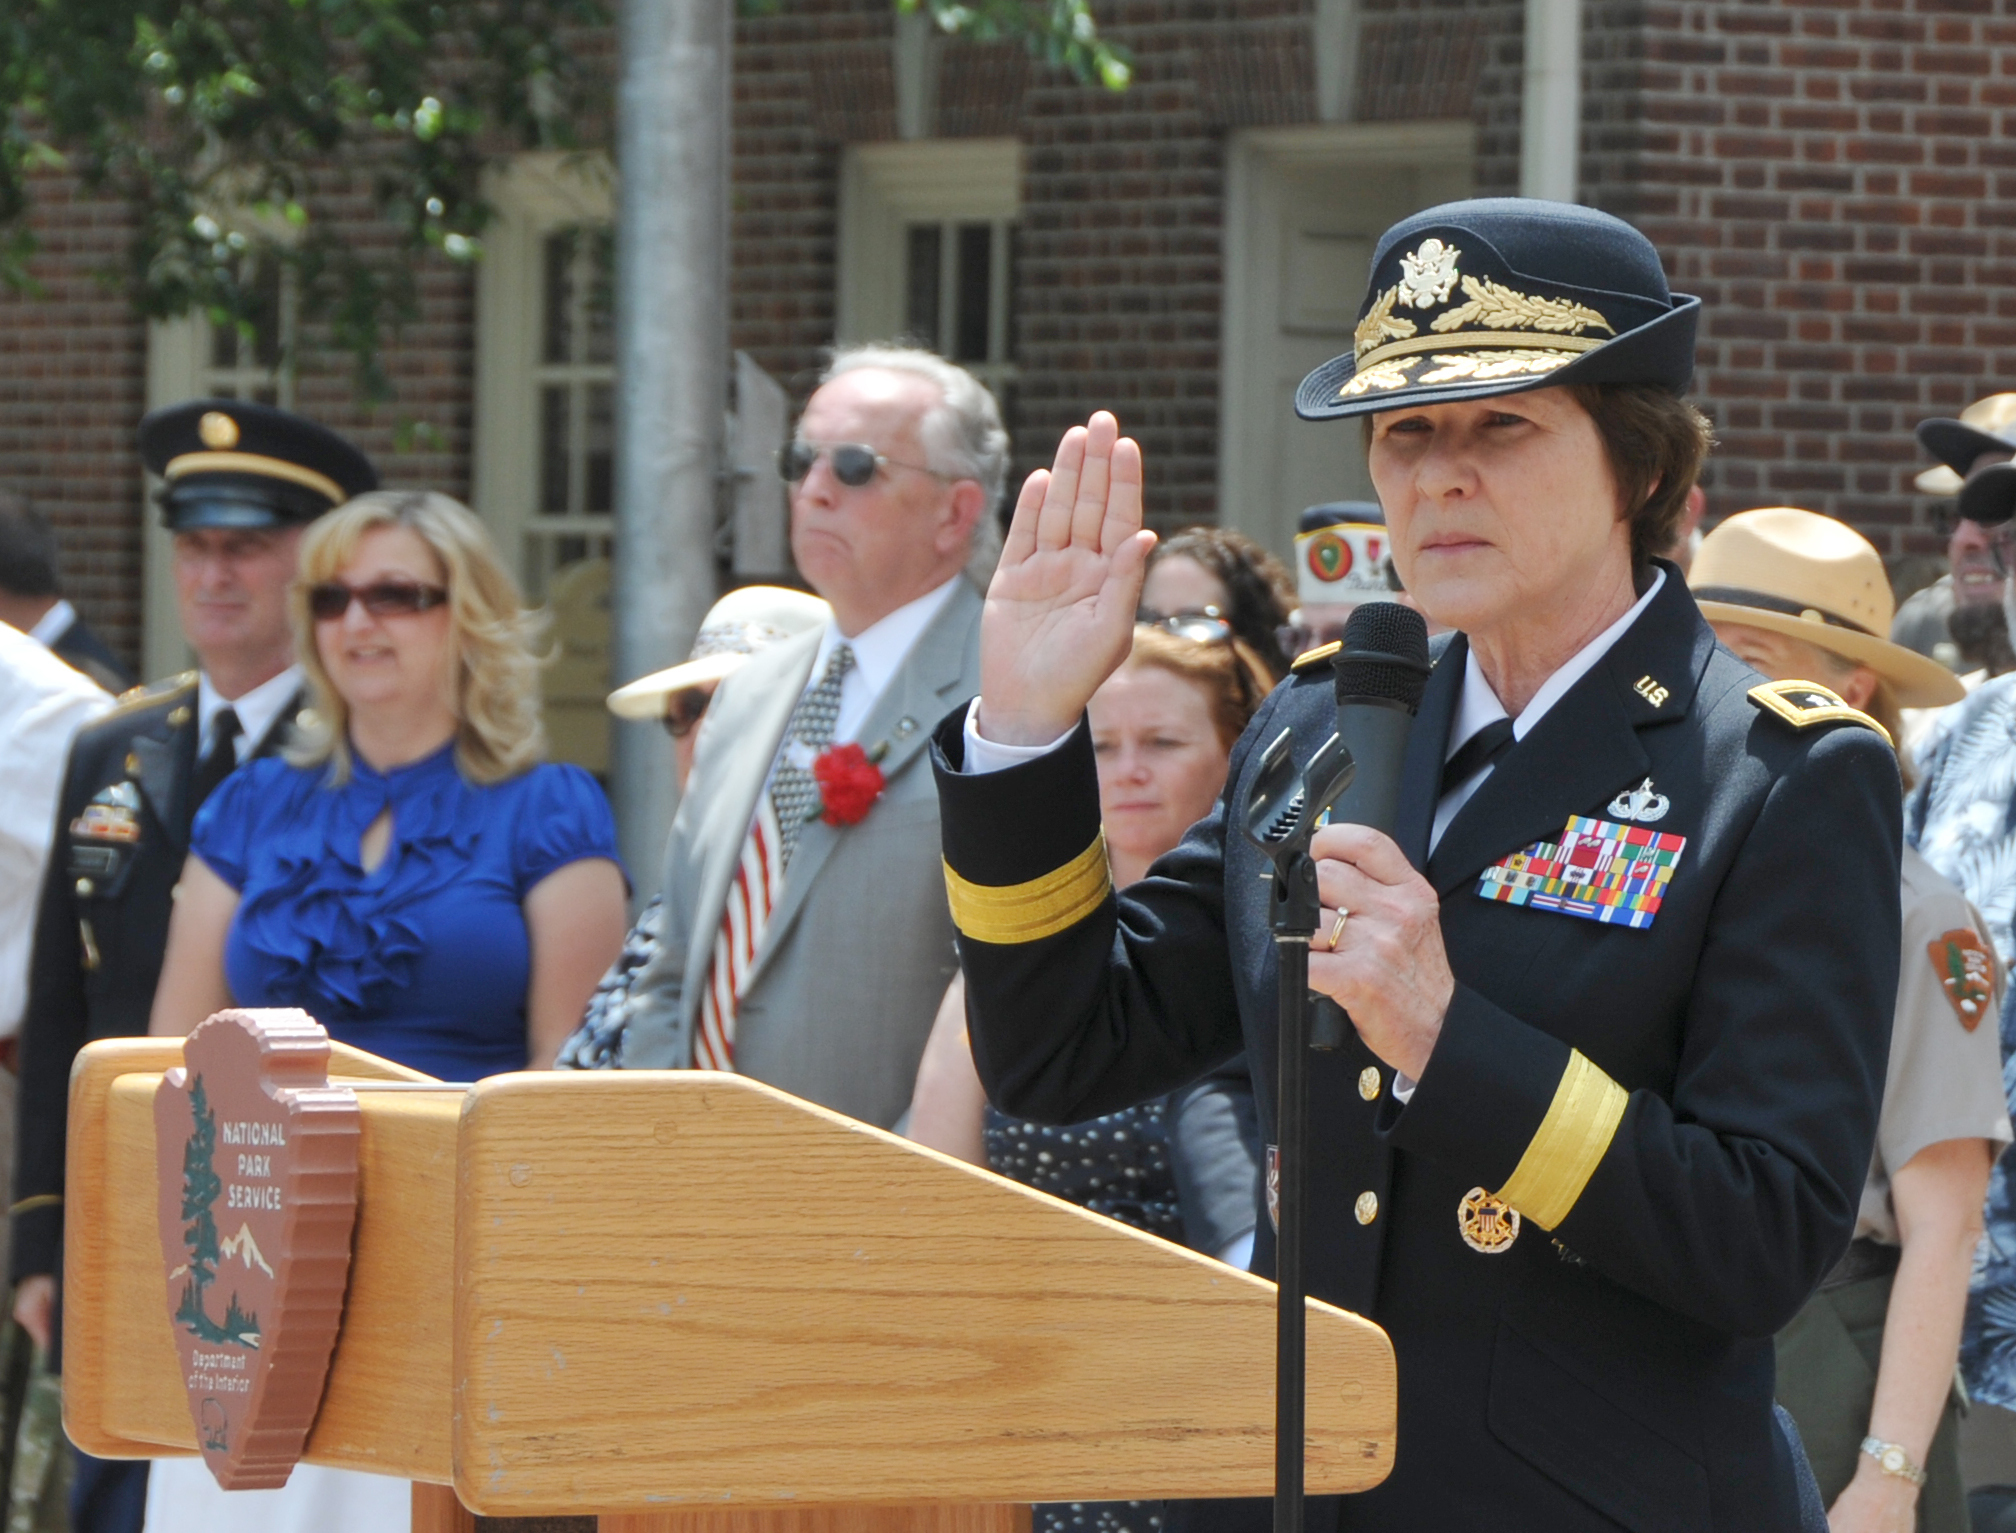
point(1802, 704)
point(1966, 971)
point(1598, 870)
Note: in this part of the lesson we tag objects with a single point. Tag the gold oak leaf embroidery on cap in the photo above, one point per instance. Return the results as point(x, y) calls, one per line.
point(1501, 308)
point(1428, 276)
point(1382, 375)
point(1495, 364)
point(1966, 973)
point(1380, 324)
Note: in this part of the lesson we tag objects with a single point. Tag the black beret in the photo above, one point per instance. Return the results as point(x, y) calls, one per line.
point(233, 463)
point(1499, 294)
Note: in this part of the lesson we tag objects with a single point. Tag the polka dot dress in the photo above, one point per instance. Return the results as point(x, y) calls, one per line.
point(1118, 1166)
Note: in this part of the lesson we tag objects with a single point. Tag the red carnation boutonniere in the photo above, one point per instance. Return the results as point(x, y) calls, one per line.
point(849, 782)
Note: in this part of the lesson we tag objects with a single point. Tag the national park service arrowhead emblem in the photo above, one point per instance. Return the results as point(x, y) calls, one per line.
point(256, 1154)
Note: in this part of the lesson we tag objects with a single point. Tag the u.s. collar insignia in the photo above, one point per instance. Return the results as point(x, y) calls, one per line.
point(112, 815)
point(1966, 973)
point(1598, 870)
point(1640, 804)
point(1487, 1224)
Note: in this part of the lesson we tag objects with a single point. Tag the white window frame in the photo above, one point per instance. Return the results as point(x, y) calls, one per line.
point(1252, 245)
point(884, 189)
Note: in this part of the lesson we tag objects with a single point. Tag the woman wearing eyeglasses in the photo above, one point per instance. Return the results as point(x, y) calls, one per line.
point(412, 874)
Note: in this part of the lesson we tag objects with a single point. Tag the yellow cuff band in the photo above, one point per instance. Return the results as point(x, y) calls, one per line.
point(40, 1200)
point(1006, 914)
point(1580, 1123)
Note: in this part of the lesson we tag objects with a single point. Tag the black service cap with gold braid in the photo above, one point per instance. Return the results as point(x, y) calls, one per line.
point(1501, 294)
point(234, 463)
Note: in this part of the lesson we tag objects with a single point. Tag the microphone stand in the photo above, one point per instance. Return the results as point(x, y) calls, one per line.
point(1281, 817)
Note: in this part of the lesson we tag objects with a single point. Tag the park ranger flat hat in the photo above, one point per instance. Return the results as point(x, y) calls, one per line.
point(233, 463)
point(1810, 577)
point(1497, 295)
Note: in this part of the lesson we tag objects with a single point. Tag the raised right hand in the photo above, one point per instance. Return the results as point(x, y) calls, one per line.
point(1060, 611)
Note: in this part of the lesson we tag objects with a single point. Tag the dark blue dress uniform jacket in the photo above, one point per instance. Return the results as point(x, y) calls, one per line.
point(1687, 1111)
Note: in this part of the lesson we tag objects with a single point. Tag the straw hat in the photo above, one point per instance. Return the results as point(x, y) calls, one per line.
point(1986, 426)
point(1810, 577)
point(736, 627)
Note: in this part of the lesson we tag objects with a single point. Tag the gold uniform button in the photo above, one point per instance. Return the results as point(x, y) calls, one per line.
point(1368, 1083)
point(85, 888)
point(1367, 1207)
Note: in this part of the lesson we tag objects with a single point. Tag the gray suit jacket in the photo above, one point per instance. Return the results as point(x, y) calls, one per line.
point(859, 949)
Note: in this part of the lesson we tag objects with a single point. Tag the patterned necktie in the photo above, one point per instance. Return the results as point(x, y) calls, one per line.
point(793, 791)
point(759, 872)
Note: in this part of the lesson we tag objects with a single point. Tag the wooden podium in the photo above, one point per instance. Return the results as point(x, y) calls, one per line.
point(685, 1301)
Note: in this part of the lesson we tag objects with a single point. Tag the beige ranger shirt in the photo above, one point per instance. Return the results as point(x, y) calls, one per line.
point(1945, 1076)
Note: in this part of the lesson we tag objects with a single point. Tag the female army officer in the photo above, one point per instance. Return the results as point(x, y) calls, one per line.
point(1622, 979)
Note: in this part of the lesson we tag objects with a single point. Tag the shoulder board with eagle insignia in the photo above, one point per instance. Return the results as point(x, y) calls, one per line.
point(1310, 659)
point(1802, 704)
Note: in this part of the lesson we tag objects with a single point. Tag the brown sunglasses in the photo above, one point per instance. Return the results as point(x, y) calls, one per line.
point(685, 709)
point(330, 599)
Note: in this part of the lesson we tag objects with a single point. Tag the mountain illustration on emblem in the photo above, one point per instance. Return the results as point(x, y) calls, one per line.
point(201, 1188)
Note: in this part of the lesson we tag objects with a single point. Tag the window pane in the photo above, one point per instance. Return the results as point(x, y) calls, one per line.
point(266, 315)
point(602, 296)
point(920, 311)
point(555, 460)
point(601, 448)
point(976, 289)
point(223, 346)
point(559, 298)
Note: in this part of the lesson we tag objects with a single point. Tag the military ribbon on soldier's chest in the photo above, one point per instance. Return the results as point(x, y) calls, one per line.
point(1598, 870)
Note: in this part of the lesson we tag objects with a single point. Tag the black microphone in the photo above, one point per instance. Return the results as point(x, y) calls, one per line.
point(1382, 671)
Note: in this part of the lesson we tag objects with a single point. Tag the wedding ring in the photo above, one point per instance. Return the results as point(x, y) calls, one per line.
point(1337, 928)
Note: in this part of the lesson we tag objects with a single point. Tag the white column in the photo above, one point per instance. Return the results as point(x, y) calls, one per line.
point(1550, 115)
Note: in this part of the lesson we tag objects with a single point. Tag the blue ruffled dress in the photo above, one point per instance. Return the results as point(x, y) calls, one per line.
point(425, 959)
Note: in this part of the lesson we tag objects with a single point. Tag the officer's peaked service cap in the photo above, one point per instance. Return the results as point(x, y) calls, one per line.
point(1501, 294)
point(234, 463)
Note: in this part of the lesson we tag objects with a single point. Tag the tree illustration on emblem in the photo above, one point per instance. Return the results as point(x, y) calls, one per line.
point(201, 1188)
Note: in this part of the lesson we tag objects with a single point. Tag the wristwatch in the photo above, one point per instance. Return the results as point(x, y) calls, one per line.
point(1893, 1460)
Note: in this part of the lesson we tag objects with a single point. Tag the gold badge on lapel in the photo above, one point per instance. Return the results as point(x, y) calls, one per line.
point(1966, 973)
point(1488, 1224)
point(112, 815)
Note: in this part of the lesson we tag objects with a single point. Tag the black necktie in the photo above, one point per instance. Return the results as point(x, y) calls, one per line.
point(1476, 753)
point(217, 762)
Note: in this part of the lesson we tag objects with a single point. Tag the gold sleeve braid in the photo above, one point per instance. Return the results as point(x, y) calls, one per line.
point(1007, 914)
point(1562, 1156)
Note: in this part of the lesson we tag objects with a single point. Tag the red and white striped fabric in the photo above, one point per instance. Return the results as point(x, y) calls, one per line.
point(752, 895)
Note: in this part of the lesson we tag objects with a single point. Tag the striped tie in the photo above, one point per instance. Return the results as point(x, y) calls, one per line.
point(766, 852)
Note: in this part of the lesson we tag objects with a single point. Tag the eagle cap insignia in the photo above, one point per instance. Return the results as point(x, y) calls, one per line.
point(1428, 276)
point(257, 1163)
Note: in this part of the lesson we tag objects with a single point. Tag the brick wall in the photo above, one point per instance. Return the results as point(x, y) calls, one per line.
point(72, 381)
point(1836, 182)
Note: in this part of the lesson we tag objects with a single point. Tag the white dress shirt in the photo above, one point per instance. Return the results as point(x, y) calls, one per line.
point(53, 624)
point(1479, 705)
point(879, 652)
point(43, 703)
point(257, 710)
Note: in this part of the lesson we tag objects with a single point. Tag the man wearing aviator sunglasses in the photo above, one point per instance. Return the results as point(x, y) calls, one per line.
point(806, 953)
point(239, 481)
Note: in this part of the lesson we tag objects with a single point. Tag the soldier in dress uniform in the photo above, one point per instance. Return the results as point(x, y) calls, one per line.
point(239, 482)
point(1620, 981)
